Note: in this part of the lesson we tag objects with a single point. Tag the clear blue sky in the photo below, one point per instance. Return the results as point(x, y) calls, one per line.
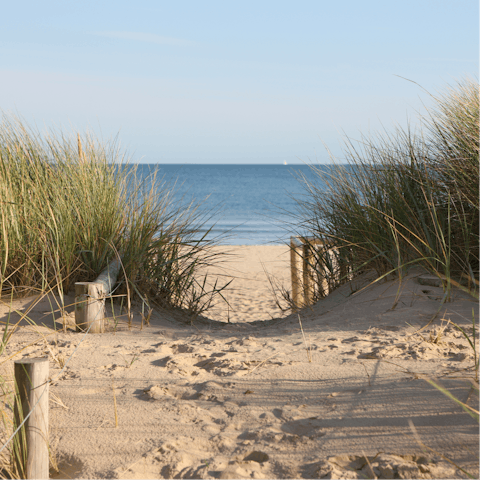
point(231, 81)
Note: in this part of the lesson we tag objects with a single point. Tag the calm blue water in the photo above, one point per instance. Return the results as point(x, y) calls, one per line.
point(251, 197)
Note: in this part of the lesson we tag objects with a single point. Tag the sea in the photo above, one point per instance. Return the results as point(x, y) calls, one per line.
point(250, 204)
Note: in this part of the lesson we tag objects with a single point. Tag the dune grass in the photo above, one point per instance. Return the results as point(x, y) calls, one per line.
point(403, 199)
point(69, 204)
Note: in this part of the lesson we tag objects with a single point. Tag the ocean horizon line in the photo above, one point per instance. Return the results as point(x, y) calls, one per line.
point(240, 164)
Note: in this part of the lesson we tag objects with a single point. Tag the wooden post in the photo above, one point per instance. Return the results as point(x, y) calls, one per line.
point(90, 307)
point(90, 299)
point(336, 277)
point(308, 285)
point(304, 285)
point(322, 281)
point(31, 442)
point(294, 260)
point(108, 277)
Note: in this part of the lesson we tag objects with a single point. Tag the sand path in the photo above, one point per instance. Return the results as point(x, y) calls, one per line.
point(253, 400)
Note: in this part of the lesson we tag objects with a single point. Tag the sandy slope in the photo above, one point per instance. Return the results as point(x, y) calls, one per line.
point(249, 295)
point(249, 400)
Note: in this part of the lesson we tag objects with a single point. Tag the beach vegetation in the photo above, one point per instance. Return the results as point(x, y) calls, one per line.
point(71, 204)
point(402, 199)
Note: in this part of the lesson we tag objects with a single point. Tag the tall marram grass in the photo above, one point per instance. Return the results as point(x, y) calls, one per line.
point(408, 198)
point(404, 198)
point(69, 204)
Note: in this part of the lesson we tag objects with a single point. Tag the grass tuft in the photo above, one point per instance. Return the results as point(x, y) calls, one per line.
point(68, 207)
point(404, 199)
point(69, 204)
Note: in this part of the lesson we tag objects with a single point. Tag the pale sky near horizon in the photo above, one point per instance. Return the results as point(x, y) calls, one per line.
point(230, 81)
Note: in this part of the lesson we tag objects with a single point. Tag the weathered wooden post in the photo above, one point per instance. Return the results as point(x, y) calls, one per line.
point(31, 441)
point(304, 284)
point(89, 307)
point(334, 280)
point(308, 285)
point(294, 260)
point(322, 280)
point(90, 299)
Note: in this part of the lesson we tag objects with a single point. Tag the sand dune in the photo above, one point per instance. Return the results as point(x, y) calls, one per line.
point(249, 399)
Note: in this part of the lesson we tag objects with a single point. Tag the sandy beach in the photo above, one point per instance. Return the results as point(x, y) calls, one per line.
point(257, 397)
point(250, 296)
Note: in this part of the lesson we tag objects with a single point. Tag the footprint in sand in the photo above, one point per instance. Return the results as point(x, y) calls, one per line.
point(180, 402)
point(423, 349)
point(253, 465)
point(309, 428)
point(181, 348)
point(159, 392)
point(186, 457)
point(212, 391)
point(382, 465)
